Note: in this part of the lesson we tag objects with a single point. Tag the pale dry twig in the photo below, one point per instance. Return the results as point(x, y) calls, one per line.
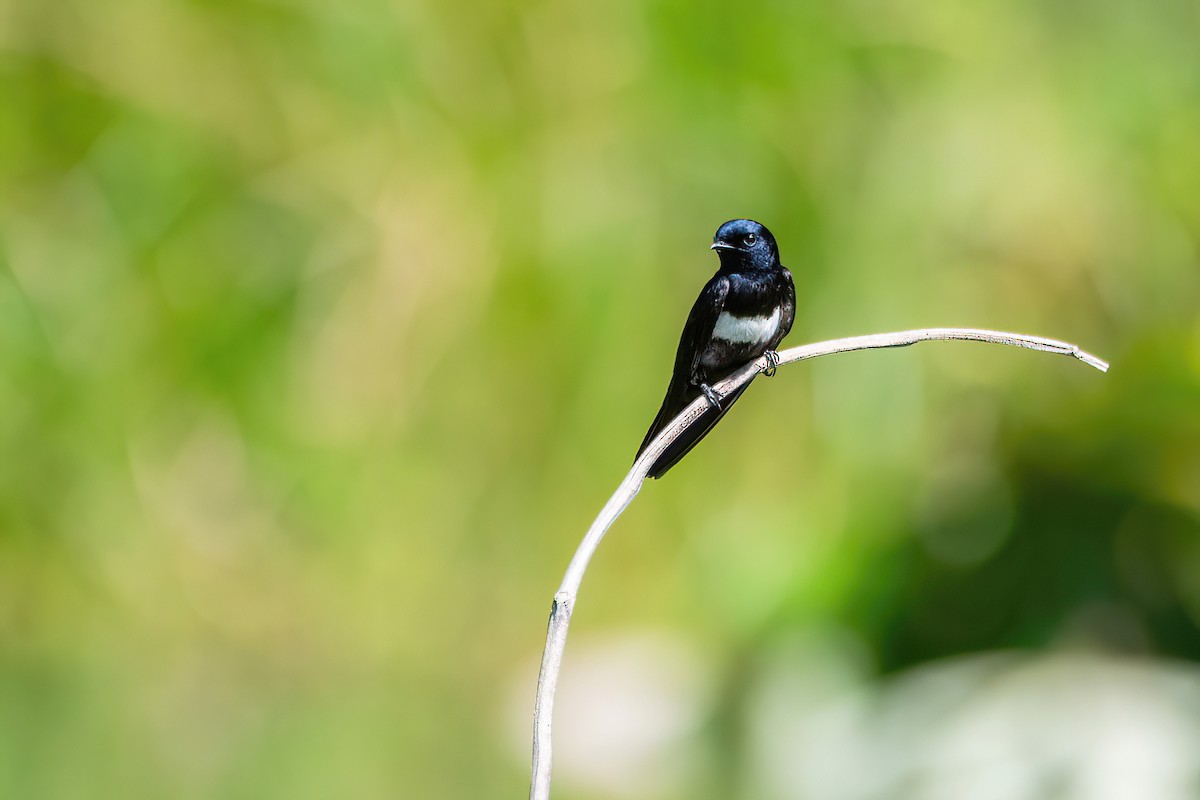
point(564, 599)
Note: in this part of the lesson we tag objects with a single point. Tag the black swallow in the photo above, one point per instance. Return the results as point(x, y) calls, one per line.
point(744, 311)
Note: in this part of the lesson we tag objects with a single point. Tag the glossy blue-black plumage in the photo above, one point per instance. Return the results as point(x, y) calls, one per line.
point(744, 310)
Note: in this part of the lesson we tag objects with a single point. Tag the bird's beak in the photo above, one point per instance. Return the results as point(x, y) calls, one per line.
point(721, 246)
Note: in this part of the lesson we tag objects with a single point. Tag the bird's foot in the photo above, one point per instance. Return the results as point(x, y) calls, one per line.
point(772, 363)
point(711, 396)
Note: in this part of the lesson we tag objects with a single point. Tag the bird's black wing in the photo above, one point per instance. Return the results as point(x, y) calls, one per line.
point(698, 330)
point(697, 333)
point(787, 306)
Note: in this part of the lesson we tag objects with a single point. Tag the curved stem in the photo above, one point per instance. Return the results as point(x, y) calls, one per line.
point(564, 599)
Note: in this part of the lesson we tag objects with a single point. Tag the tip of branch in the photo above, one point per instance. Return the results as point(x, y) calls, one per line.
point(1091, 360)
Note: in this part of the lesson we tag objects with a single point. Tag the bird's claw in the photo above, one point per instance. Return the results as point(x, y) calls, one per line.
point(711, 396)
point(772, 363)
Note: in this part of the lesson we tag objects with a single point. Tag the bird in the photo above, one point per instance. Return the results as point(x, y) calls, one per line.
point(743, 312)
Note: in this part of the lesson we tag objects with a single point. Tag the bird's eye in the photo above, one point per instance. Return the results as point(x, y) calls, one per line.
point(750, 237)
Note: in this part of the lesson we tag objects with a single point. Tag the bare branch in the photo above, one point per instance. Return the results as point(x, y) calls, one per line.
point(564, 599)
point(906, 338)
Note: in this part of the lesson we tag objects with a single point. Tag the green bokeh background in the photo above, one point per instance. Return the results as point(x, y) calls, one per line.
point(325, 330)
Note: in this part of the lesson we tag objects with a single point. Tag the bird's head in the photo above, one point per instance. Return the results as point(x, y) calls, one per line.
point(745, 243)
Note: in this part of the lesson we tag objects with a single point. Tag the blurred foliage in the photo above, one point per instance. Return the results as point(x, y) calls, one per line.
point(326, 328)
